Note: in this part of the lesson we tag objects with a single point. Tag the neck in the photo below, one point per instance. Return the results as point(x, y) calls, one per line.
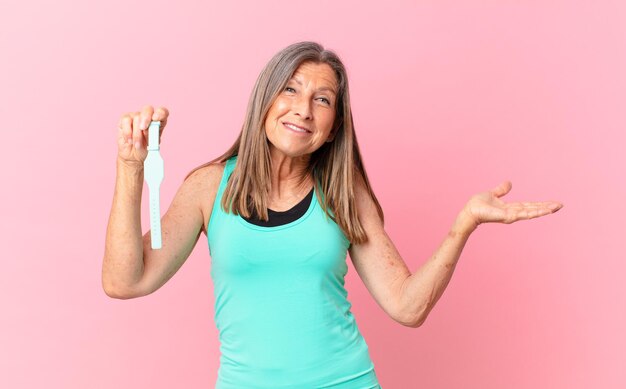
point(290, 176)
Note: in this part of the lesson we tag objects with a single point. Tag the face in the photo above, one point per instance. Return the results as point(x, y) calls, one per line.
point(308, 102)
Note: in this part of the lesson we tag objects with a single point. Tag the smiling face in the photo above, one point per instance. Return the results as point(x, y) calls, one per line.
point(301, 118)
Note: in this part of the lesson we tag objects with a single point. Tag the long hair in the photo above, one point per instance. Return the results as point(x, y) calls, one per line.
point(334, 166)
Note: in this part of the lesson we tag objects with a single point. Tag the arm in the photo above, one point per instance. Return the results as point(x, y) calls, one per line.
point(410, 297)
point(422, 289)
point(130, 267)
point(123, 254)
point(377, 261)
point(405, 297)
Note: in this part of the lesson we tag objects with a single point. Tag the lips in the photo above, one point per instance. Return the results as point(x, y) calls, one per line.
point(288, 125)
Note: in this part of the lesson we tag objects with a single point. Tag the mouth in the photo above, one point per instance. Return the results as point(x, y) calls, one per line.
point(295, 128)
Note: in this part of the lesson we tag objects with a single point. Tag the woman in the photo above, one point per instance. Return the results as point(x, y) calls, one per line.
point(282, 207)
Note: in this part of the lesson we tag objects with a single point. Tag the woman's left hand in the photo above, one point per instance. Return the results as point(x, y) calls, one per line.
point(487, 207)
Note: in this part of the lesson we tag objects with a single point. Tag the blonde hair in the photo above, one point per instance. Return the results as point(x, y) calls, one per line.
point(334, 166)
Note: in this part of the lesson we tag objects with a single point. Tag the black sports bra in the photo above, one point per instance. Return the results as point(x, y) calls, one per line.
point(277, 218)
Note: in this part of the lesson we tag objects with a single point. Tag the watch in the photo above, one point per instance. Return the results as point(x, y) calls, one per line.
point(153, 175)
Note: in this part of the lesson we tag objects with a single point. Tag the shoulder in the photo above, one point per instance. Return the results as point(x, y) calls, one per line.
point(209, 174)
point(205, 177)
point(203, 183)
point(362, 194)
point(367, 206)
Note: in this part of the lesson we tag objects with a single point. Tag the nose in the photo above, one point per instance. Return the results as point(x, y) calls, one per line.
point(302, 108)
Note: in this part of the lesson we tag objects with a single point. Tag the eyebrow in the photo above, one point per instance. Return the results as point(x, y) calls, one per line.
point(324, 88)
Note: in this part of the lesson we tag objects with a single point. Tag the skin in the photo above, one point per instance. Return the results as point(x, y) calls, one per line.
point(133, 134)
point(406, 297)
point(409, 297)
point(308, 101)
point(131, 268)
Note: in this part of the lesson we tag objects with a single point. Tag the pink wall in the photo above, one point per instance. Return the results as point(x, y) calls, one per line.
point(449, 100)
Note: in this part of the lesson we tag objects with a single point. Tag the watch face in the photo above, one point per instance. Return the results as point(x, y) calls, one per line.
point(153, 168)
point(153, 135)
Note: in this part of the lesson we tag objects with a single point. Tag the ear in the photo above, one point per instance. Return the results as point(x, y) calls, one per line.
point(331, 136)
point(333, 132)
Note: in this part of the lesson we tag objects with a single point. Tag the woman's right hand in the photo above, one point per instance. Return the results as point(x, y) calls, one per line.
point(132, 139)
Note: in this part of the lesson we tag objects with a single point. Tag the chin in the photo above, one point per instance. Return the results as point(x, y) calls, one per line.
point(288, 152)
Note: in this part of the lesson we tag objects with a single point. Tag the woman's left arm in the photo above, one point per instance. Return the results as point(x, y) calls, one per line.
point(407, 297)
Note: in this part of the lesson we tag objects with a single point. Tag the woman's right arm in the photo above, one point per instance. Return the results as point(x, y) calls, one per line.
point(130, 267)
point(123, 264)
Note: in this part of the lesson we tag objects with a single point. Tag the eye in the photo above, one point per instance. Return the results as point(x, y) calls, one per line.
point(288, 87)
point(325, 99)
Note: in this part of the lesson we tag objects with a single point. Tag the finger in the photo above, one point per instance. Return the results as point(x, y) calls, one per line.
point(137, 133)
point(523, 205)
point(146, 115)
point(533, 213)
point(551, 205)
point(120, 137)
point(126, 124)
point(556, 206)
point(502, 189)
point(161, 114)
point(519, 212)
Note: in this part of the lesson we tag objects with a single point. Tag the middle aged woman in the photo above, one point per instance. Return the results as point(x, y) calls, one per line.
point(281, 208)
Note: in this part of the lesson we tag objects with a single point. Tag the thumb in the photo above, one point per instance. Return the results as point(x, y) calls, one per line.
point(502, 189)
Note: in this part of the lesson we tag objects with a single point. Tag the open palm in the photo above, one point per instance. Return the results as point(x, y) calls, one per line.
point(487, 207)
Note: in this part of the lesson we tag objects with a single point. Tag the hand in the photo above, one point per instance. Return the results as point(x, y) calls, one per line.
point(133, 134)
point(486, 207)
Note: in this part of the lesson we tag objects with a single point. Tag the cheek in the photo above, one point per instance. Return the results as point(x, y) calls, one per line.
point(279, 108)
point(272, 115)
point(329, 119)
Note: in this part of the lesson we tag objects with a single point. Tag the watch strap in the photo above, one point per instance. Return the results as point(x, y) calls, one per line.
point(153, 175)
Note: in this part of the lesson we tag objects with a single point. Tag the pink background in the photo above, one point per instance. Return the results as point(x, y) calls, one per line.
point(449, 99)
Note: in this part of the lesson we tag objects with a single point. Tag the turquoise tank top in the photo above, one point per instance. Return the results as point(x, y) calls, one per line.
point(281, 308)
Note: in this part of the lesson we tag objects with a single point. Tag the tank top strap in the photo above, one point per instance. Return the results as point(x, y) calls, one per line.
point(228, 169)
point(230, 165)
point(217, 212)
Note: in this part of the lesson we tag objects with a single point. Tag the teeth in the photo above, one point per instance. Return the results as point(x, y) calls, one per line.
point(295, 128)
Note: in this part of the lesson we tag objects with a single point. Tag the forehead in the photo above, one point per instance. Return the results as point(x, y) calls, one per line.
point(320, 73)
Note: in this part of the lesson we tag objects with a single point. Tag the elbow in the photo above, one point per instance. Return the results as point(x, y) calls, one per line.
point(115, 295)
point(116, 292)
point(413, 319)
point(412, 313)
point(417, 323)
point(412, 322)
